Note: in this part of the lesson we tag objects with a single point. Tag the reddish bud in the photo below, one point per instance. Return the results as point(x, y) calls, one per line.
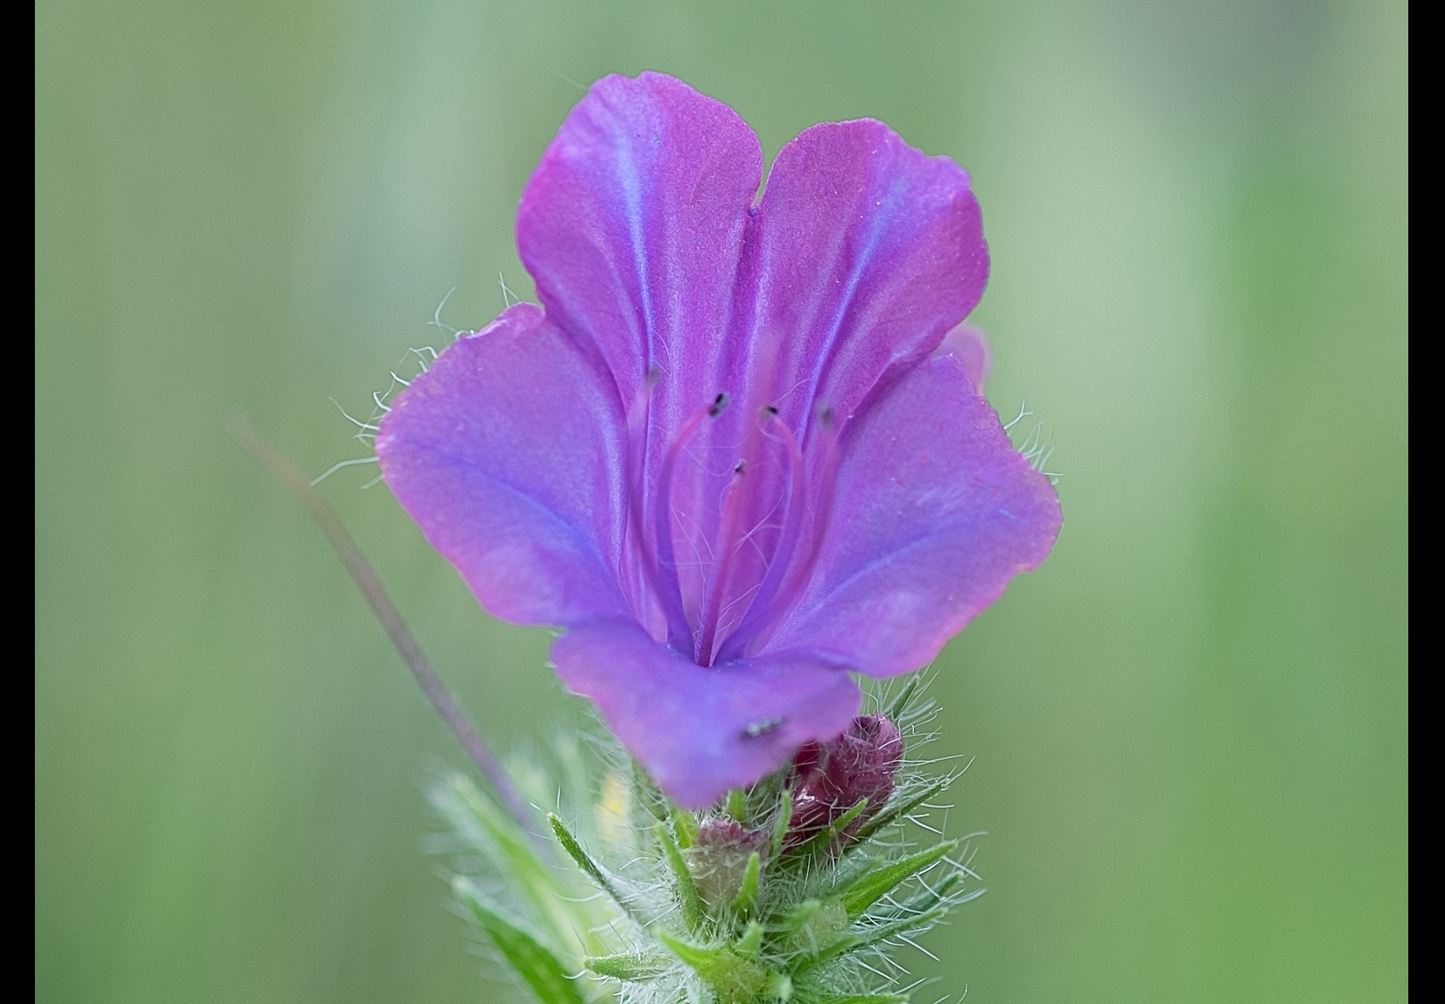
point(829, 778)
point(718, 858)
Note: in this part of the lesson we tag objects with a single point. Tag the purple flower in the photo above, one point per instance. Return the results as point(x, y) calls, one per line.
point(741, 448)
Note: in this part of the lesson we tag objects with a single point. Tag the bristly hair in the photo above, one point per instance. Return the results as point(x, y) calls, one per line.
point(613, 895)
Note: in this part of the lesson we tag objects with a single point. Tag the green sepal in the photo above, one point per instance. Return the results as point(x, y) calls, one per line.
point(794, 918)
point(698, 958)
point(781, 822)
point(684, 825)
point(592, 868)
point(930, 898)
point(734, 978)
point(872, 936)
point(869, 887)
point(692, 911)
point(630, 968)
point(823, 839)
point(748, 891)
point(537, 966)
point(896, 706)
point(894, 813)
point(647, 794)
point(826, 925)
point(737, 806)
point(751, 941)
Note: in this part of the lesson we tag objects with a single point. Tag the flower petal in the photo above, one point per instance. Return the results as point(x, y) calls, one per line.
point(969, 346)
point(702, 731)
point(507, 452)
point(632, 226)
point(935, 512)
point(869, 252)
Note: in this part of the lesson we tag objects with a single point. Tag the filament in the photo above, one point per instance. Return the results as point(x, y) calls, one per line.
point(670, 590)
point(755, 615)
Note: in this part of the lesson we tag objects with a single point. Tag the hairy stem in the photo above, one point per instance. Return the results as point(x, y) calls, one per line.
point(366, 580)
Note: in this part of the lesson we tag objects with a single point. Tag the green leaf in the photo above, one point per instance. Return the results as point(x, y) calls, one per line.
point(692, 912)
point(629, 968)
point(825, 926)
point(748, 891)
point(854, 999)
point(896, 812)
point(592, 868)
point(524, 953)
point(779, 986)
point(869, 887)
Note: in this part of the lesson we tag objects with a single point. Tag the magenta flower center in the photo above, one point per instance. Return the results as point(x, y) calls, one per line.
point(725, 606)
point(740, 448)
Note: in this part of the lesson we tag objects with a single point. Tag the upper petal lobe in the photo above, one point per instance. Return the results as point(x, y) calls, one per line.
point(935, 513)
point(868, 251)
point(507, 453)
point(632, 226)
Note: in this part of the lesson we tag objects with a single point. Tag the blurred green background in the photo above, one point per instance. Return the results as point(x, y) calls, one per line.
point(1190, 727)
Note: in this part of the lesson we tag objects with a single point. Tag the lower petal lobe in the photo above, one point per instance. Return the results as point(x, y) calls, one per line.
point(508, 454)
point(935, 512)
point(702, 731)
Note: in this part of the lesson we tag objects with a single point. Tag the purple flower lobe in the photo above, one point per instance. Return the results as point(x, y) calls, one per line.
point(742, 446)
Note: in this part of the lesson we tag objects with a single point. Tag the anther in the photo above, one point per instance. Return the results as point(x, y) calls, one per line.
point(770, 410)
point(741, 468)
point(719, 403)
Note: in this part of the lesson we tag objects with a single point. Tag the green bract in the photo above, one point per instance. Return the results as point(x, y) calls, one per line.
point(603, 901)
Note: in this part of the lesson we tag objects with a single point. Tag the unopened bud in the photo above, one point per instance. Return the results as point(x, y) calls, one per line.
point(718, 859)
point(829, 778)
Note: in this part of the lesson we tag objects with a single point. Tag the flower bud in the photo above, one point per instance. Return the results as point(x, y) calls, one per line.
point(829, 778)
point(718, 859)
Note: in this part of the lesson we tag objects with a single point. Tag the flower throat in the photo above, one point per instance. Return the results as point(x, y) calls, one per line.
point(697, 618)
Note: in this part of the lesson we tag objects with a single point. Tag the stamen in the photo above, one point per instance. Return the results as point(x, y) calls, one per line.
point(762, 618)
point(732, 510)
point(754, 617)
point(669, 593)
point(637, 418)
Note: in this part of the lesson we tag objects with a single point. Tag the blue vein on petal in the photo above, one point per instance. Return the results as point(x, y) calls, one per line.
point(881, 218)
point(584, 539)
point(933, 539)
point(632, 198)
